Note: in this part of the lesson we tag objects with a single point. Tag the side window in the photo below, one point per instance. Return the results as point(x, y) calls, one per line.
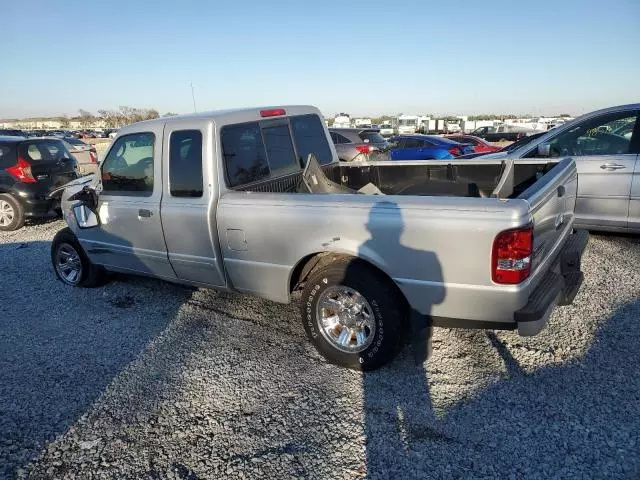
point(185, 163)
point(128, 168)
point(340, 139)
point(604, 135)
point(244, 154)
point(7, 156)
point(334, 139)
point(413, 143)
point(310, 137)
point(280, 154)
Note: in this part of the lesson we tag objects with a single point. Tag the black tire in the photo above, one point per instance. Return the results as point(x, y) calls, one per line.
point(388, 307)
point(17, 220)
point(89, 276)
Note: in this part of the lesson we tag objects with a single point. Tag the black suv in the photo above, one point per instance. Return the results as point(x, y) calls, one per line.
point(29, 169)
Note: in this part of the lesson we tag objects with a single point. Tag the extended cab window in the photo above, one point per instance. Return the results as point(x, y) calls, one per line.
point(128, 168)
point(310, 137)
point(185, 163)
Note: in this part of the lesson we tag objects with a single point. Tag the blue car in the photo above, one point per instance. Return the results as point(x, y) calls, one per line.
point(426, 147)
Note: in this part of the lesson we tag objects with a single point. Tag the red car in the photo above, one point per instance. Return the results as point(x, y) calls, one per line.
point(479, 145)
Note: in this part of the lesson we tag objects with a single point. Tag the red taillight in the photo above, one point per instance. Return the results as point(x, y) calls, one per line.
point(92, 156)
point(273, 112)
point(455, 151)
point(511, 256)
point(22, 171)
point(363, 149)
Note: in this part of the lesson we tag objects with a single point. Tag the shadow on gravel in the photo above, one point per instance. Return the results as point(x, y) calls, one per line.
point(61, 346)
point(578, 419)
point(396, 406)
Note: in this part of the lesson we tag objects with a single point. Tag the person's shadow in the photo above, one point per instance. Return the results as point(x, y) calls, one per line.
point(391, 396)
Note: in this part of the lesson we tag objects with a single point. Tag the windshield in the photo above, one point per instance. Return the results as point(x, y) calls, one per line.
point(521, 142)
point(408, 121)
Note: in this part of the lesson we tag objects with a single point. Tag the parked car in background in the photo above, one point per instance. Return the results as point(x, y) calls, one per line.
point(511, 147)
point(113, 133)
point(359, 144)
point(479, 145)
point(605, 145)
point(387, 130)
point(35, 133)
point(12, 132)
point(29, 170)
point(426, 147)
point(85, 154)
point(502, 133)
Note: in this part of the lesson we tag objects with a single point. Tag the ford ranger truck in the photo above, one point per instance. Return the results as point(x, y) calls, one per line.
point(255, 201)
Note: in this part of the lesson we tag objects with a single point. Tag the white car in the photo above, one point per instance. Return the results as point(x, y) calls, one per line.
point(386, 130)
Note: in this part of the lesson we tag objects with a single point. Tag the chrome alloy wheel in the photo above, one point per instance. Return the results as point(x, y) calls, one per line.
point(7, 214)
point(68, 264)
point(346, 319)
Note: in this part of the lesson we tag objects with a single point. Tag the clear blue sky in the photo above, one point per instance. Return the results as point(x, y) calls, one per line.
point(362, 57)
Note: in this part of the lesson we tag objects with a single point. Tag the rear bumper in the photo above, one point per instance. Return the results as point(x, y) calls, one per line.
point(34, 200)
point(558, 287)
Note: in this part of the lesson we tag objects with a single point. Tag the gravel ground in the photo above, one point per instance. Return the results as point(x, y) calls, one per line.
point(142, 379)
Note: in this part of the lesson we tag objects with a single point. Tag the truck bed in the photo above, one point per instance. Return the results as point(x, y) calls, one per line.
point(463, 178)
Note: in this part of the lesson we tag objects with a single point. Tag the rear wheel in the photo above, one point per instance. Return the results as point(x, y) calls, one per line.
point(11, 213)
point(353, 315)
point(71, 264)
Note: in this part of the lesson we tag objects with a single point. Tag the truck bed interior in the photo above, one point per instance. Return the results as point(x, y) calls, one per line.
point(498, 180)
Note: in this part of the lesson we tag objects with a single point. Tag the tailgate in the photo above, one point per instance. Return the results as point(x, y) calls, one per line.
point(552, 201)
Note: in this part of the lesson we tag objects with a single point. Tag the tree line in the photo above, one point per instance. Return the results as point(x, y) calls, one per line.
point(124, 115)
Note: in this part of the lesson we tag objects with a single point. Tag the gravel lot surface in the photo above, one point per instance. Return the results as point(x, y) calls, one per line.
point(143, 379)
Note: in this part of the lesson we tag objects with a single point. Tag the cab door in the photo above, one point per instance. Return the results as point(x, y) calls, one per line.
point(603, 150)
point(633, 222)
point(606, 165)
point(129, 237)
point(190, 202)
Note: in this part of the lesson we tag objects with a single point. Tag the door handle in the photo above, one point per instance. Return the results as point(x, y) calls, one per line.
point(611, 166)
point(144, 213)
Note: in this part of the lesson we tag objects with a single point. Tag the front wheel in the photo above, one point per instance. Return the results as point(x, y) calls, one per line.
point(353, 315)
point(71, 264)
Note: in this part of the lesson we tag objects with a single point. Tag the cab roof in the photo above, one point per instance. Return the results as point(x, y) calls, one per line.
point(230, 116)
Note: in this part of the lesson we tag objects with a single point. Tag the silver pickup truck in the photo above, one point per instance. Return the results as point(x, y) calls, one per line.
point(256, 201)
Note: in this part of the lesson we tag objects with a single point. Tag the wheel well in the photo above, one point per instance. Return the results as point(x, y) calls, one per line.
point(318, 260)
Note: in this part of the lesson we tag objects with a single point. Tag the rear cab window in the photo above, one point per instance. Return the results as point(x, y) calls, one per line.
point(260, 150)
point(43, 150)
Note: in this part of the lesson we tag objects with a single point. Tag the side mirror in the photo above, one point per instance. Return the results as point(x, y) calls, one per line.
point(544, 150)
point(86, 211)
point(85, 217)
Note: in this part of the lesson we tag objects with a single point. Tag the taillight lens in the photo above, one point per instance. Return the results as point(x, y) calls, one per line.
point(92, 156)
point(272, 112)
point(511, 256)
point(363, 149)
point(22, 171)
point(455, 151)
